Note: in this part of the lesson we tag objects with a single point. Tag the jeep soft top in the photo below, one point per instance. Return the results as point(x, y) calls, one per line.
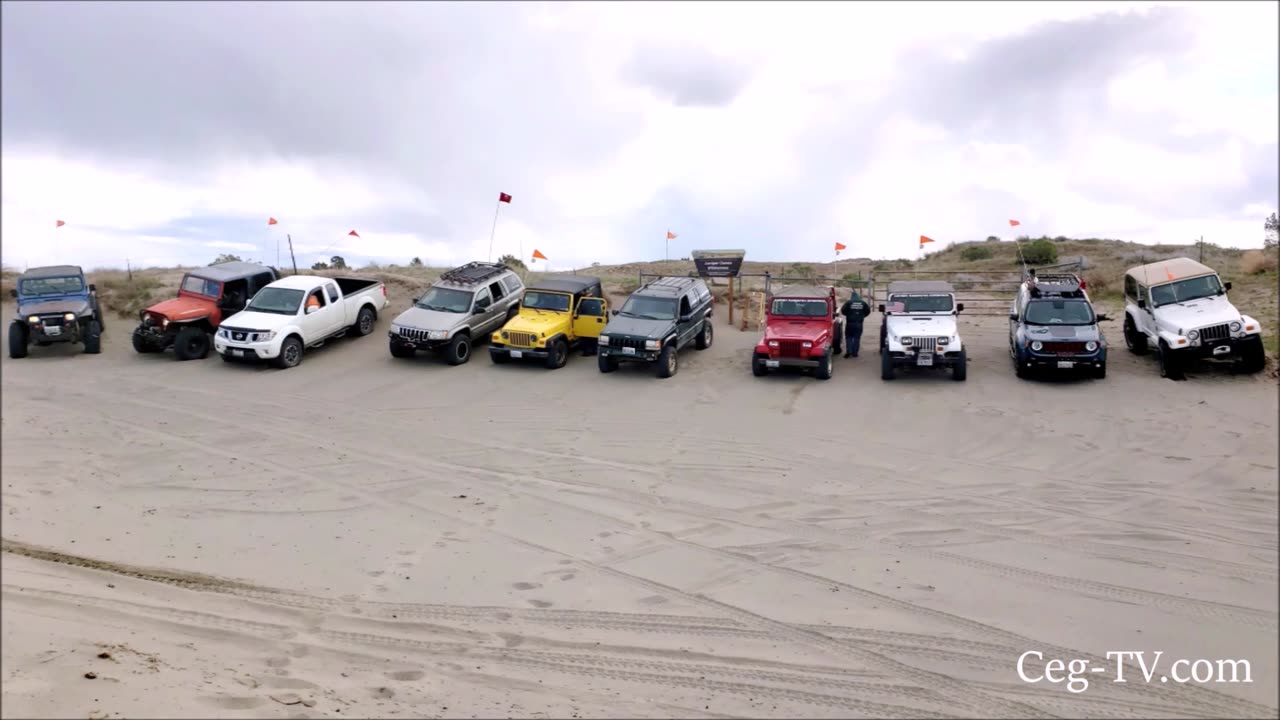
point(920, 286)
point(1169, 271)
point(572, 284)
point(53, 271)
point(804, 291)
point(235, 270)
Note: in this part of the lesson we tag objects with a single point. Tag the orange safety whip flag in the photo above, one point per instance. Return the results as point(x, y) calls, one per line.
point(353, 233)
point(839, 247)
point(503, 197)
point(272, 221)
point(924, 240)
point(1014, 223)
point(1168, 274)
point(671, 235)
point(60, 224)
point(537, 255)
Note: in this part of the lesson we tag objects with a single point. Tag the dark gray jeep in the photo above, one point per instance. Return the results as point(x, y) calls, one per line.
point(55, 304)
point(656, 322)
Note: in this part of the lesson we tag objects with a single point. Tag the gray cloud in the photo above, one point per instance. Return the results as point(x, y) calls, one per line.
point(687, 76)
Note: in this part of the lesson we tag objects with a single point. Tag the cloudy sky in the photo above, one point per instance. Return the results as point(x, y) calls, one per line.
point(169, 133)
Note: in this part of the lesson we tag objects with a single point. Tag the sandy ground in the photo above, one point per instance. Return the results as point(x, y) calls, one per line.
point(365, 536)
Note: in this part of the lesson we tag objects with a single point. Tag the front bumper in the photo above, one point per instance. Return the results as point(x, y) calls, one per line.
point(1094, 359)
point(404, 342)
point(519, 353)
point(627, 354)
point(772, 362)
point(1228, 349)
point(246, 351)
point(912, 359)
point(152, 336)
point(69, 332)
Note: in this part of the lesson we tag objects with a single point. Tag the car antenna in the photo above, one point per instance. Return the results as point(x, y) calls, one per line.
point(1025, 271)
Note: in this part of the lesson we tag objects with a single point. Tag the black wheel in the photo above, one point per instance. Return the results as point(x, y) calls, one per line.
point(365, 320)
point(1100, 372)
point(886, 364)
point(290, 353)
point(1170, 367)
point(499, 358)
point(706, 336)
point(140, 346)
point(668, 363)
point(606, 363)
point(459, 350)
point(191, 343)
point(1253, 356)
point(758, 368)
point(1019, 368)
point(17, 340)
point(43, 343)
point(823, 371)
point(960, 370)
point(93, 338)
point(226, 357)
point(557, 354)
point(402, 351)
point(837, 340)
point(1134, 340)
point(514, 311)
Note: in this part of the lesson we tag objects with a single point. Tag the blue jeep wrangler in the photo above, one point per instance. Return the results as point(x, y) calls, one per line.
point(55, 304)
point(1052, 326)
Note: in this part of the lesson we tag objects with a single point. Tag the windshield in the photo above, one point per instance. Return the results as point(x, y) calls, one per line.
point(919, 303)
point(539, 300)
point(799, 308)
point(51, 285)
point(649, 308)
point(1059, 312)
point(445, 300)
point(1184, 290)
point(281, 301)
point(200, 286)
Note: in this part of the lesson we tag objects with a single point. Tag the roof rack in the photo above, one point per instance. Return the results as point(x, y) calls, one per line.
point(1055, 285)
point(473, 272)
point(671, 282)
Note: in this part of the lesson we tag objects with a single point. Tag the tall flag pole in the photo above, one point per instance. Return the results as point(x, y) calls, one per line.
point(839, 246)
point(272, 221)
point(57, 224)
point(1018, 244)
point(502, 198)
point(667, 253)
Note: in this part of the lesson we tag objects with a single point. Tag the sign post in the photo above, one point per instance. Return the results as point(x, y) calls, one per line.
point(720, 263)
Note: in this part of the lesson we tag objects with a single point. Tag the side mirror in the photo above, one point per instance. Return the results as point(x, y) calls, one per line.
point(1013, 316)
point(880, 307)
point(685, 318)
point(478, 309)
point(1103, 318)
point(13, 292)
point(959, 307)
point(311, 309)
point(615, 312)
point(1142, 304)
point(1226, 285)
point(94, 288)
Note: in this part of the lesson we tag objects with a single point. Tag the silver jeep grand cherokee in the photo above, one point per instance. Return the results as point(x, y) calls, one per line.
point(465, 304)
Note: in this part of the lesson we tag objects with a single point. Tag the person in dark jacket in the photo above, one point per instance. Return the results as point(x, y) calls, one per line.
point(854, 310)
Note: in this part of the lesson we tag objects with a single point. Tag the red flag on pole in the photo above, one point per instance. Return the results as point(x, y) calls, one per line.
point(60, 224)
point(1014, 223)
point(271, 221)
point(503, 197)
point(839, 247)
point(671, 235)
point(353, 233)
point(924, 240)
point(537, 255)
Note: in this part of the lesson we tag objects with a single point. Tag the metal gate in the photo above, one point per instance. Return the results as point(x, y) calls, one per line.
point(984, 293)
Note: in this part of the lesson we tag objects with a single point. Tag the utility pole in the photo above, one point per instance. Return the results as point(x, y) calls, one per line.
point(291, 256)
point(1201, 244)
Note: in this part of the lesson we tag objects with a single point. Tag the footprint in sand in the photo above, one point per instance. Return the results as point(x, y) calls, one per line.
point(539, 603)
point(406, 675)
point(526, 586)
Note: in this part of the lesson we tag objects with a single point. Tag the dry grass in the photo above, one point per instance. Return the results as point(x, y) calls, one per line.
point(1256, 262)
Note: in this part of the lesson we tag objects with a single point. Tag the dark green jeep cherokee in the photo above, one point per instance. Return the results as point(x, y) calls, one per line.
point(657, 321)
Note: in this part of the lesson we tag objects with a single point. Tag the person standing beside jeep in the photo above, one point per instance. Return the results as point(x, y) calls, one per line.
point(854, 310)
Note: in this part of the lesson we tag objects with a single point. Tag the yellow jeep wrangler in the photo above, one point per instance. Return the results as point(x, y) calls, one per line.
point(557, 314)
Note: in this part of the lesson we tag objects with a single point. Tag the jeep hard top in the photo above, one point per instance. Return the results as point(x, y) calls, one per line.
point(55, 304)
point(557, 314)
point(803, 329)
point(1052, 325)
point(464, 305)
point(658, 320)
point(205, 297)
point(919, 328)
point(1180, 308)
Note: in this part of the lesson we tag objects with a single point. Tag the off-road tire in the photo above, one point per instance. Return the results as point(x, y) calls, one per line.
point(1170, 365)
point(93, 338)
point(1134, 340)
point(758, 368)
point(226, 357)
point(191, 343)
point(960, 370)
point(825, 366)
point(141, 347)
point(1253, 357)
point(606, 364)
point(1100, 372)
point(17, 340)
point(557, 354)
point(668, 361)
point(290, 353)
point(705, 337)
point(886, 364)
point(366, 320)
point(500, 358)
point(401, 351)
point(459, 350)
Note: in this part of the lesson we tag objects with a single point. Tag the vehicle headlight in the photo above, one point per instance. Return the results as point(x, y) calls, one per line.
point(438, 335)
point(504, 335)
point(222, 333)
point(652, 344)
point(395, 328)
point(944, 341)
point(1037, 346)
point(806, 344)
point(906, 341)
point(1091, 346)
point(604, 340)
point(34, 319)
point(69, 317)
point(773, 343)
point(1235, 327)
point(1193, 335)
point(267, 336)
point(164, 322)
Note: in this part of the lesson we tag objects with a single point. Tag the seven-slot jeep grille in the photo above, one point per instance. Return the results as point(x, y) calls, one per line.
point(521, 339)
point(791, 348)
point(1214, 333)
point(926, 343)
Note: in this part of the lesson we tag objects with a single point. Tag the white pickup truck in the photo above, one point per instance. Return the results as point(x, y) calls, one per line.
point(298, 312)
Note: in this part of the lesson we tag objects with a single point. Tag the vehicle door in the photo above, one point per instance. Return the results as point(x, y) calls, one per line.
point(498, 309)
point(1015, 318)
point(482, 311)
point(686, 322)
point(589, 317)
point(515, 291)
point(338, 313)
point(316, 323)
point(1145, 319)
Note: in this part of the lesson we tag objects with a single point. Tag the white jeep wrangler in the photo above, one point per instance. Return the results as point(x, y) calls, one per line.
point(1180, 308)
point(919, 328)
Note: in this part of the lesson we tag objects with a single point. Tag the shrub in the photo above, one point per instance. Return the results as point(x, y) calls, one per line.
point(127, 297)
point(800, 270)
point(1256, 262)
point(320, 266)
point(975, 252)
point(1040, 252)
point(992, 238)
point(512, 262)
point(225, 258)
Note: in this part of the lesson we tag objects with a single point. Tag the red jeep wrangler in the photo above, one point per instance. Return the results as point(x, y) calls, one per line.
point(803, 328)
point(205, 297)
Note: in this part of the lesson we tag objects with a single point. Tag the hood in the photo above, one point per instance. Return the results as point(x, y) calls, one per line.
point(928, 325)
point(78, 305)
point(1198, 313)
point(535, 321)
point(1049, 333)
point(182, 308)
point(248, 320)
point(638, 327)
point(788, 329)
point(422, 319)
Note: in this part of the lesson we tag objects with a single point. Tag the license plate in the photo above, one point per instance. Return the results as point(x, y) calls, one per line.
point(517, 354)
point(1222, 350)
point(628, 351)
point(924, 359)
point(53, 331)
point(1066, 364)
point(771, 363)
point(238, 353)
